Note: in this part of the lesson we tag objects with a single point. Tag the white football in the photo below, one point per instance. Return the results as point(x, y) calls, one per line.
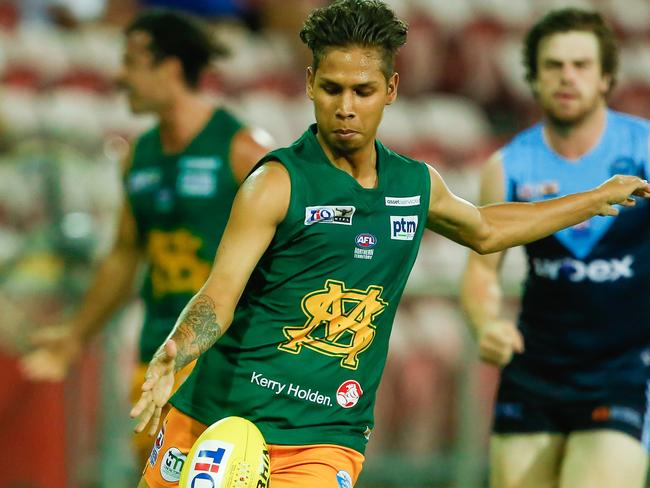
point(231, 453)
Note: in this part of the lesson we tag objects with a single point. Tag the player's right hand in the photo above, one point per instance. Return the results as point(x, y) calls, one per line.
point(156, 389)
point(55, 349)
point(498, 341)
point(619, 190)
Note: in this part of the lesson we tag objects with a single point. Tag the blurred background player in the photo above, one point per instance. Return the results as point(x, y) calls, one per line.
point(572, 404)
point(313, 263)
point(180, 179)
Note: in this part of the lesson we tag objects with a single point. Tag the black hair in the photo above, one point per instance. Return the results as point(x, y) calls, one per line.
point(366, 23)
point(180, 36)
point(566, 20)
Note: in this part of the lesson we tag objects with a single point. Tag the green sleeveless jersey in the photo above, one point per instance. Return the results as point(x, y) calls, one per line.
point(307, 346)
point(181, 203)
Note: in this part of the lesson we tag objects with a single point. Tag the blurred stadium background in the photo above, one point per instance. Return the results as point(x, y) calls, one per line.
point(64, 128)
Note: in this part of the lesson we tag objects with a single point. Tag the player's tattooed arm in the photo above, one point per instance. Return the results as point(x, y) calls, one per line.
point(196, 330)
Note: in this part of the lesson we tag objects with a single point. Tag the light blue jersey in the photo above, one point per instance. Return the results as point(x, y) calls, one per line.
point(586, 303)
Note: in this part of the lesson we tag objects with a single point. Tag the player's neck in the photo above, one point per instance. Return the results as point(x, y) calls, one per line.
point(183, 120)
point(360, 164)
point(572, 141)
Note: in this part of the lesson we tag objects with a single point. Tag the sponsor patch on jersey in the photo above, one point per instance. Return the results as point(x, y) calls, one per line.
point(364, 244)
point(616, 413)
point(627, 166)
point(576, 271)
point(344, 479)
point(403, 227)
point(197, 177)
point(509, 410)
point(330, 214)
point(205, 469)
point(142, 180)
point(290, 389)
point(534, 191)
point(348, 393)
point(172, 464)
point(403, 201)
point(160, 439)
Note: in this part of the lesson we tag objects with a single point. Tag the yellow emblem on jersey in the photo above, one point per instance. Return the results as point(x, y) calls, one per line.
point(339, 322)
point(175, 264)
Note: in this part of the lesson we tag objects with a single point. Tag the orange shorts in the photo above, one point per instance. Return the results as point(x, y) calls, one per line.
point(322, 466)
point(143, 442)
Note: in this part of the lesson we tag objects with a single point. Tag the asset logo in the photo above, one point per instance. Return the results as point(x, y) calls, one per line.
point(332, 214)
point(364, 246)
point(172, 464)
point(348, 393)
point(403, 201)
point(403, 227)
point(344, 479)
point(207, 462)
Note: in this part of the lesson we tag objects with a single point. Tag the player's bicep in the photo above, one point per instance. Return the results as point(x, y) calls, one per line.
point(450, 215)
point(492, 191)
point(259, 207)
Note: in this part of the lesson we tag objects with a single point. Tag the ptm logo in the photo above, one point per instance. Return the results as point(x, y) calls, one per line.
point(403, 228)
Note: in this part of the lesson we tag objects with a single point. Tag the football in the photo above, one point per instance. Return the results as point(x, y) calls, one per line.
point(231, 453)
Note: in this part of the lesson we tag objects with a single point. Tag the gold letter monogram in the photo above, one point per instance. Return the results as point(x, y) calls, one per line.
point(346, 316)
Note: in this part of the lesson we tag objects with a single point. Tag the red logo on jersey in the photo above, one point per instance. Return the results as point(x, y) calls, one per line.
point(349, 393)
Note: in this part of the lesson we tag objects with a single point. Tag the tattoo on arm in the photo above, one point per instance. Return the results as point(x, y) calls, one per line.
point(196, 330)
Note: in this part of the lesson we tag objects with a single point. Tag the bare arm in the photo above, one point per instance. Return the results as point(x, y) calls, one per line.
point(497, 227)
point(113, 281)
point(259, 207)
point(56, 347)
point(247, 148)
point(481, 293)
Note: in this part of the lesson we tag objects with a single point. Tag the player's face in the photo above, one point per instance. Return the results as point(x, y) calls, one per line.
point(570, 83)
point(350, 92)
point(144, 80)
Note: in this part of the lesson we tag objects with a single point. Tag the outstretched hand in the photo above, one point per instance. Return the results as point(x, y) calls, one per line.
point(619, 190)
point(156, 389)
point(55, 348)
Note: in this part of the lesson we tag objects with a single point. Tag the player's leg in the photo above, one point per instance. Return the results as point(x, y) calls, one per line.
point(142, 442)
point(603, 459)
point(170, 449)
point(525, 460)
point(323, 466)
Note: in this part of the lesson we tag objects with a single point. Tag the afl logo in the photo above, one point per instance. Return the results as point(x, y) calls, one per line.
point(365, 241)
point(349, 393)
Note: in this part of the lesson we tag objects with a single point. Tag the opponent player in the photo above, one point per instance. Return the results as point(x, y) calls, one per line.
point(180, 182)
point(313, 262)
point(571, 406)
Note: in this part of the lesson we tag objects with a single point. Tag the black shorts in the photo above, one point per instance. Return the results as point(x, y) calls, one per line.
point(515, 412)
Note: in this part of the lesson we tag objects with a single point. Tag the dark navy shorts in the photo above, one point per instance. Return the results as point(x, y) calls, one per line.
point(515, 412)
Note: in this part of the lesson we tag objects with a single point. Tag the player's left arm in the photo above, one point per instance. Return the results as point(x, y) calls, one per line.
point(497, 227)
point(248, 146)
